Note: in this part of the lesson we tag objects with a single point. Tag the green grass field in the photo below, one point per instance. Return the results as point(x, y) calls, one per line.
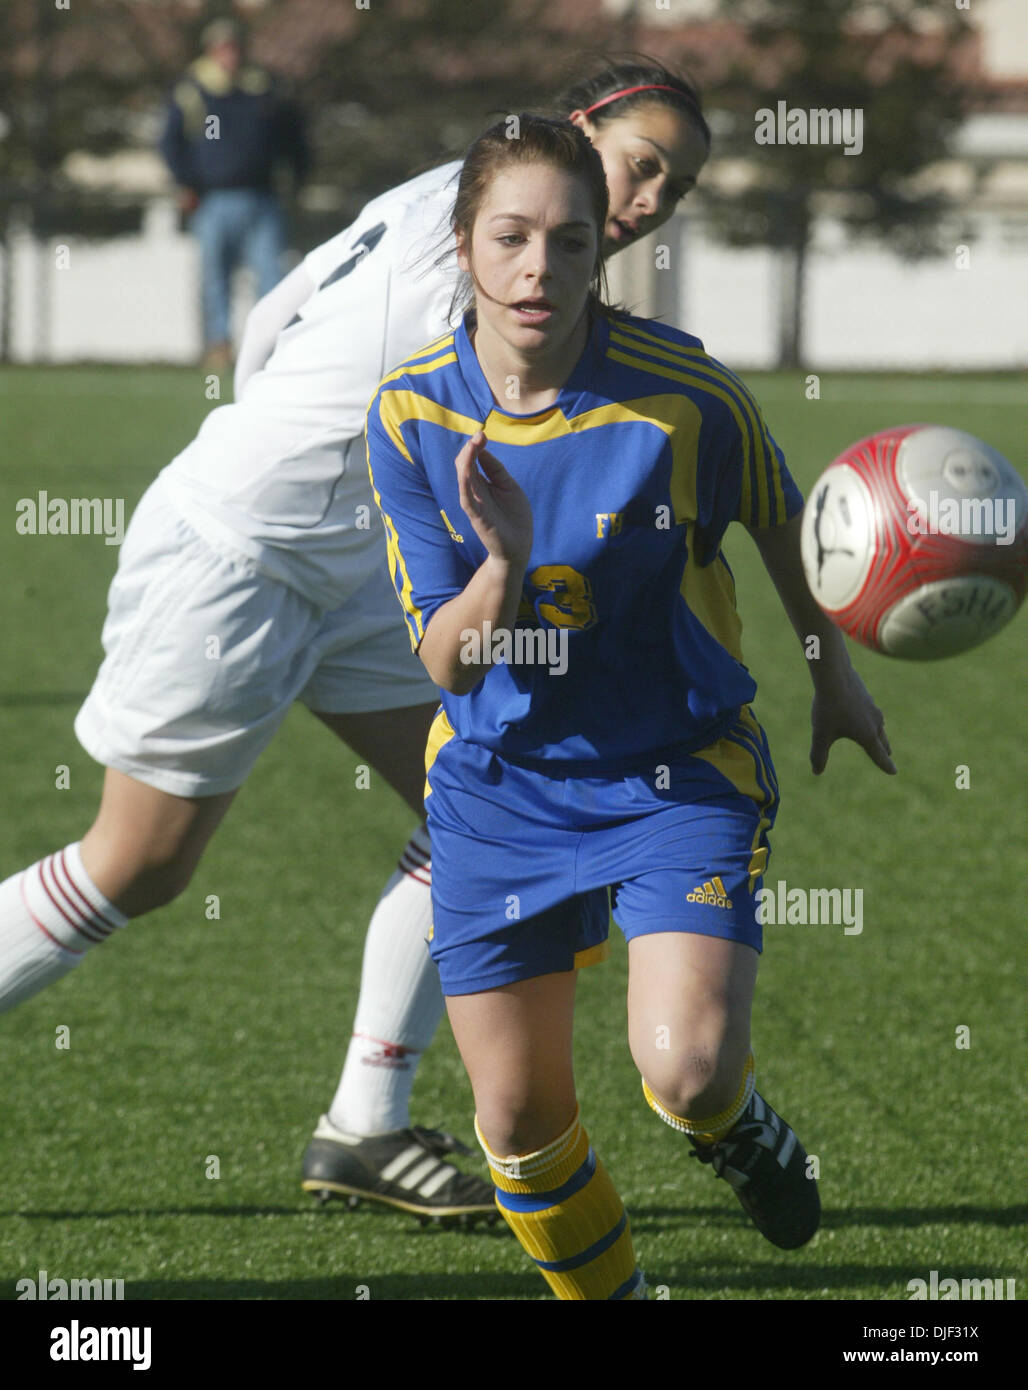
point(191, 1038)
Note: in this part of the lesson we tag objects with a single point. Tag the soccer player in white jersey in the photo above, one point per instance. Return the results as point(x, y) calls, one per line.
point(263, 534)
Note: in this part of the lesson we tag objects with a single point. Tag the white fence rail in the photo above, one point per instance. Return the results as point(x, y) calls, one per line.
point(137, 298)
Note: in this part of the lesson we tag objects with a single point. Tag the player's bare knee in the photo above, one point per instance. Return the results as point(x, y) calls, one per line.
point(146, 886)
point(699, 1081)
point(518, 1130)
point(164, 882)
point(682, 1082)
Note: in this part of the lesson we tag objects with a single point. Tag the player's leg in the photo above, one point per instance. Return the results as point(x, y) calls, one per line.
point(509, 932)
point(400, 1001)
point(689, 1027)
point(370, 689)
point(689, 1003)
point(144, 845)
point(689, 910)
point(139, 854)
point(364, 1144)
point(392, 742)
point(554, 1193)
point(203, 659)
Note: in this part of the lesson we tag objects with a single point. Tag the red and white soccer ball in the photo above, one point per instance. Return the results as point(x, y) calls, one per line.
point(915, 541)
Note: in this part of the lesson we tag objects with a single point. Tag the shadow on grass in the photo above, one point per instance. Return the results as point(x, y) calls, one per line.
point(379, 1288)
point(786, 1277)
point(800, 1272)
point(644, 1218)
point(335, 1209)
point(662, 1218)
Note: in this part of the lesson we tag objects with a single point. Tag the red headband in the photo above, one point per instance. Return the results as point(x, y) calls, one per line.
point(627, 92)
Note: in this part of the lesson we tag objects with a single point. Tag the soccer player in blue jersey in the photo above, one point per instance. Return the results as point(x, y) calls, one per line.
point(566, 588)
point(259, 537)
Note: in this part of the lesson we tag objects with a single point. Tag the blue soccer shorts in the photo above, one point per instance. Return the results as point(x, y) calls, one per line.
point(522, 861)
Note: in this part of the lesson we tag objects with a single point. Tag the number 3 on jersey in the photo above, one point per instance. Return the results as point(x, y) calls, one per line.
point(572, 604)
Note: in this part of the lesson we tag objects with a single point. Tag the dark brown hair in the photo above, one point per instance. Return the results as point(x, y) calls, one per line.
point(661, 86)
point(528, 139)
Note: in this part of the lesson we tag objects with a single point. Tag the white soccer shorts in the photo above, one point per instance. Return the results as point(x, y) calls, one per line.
point(204, 656)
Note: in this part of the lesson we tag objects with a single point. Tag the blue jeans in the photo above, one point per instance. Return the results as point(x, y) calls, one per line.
point(236, 226)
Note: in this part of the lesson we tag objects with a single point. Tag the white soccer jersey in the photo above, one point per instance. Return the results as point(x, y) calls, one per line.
point(281, 474)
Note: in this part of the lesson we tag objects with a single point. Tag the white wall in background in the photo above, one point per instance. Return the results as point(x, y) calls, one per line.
point(136, 298)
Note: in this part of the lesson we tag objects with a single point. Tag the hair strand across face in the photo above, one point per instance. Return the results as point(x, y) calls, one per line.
point(527, 139)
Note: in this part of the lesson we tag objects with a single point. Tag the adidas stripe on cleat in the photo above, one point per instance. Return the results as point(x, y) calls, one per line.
point(407, 1169)
point(766, 1165)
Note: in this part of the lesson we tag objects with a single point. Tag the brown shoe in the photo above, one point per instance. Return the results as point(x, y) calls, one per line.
point(217, 357)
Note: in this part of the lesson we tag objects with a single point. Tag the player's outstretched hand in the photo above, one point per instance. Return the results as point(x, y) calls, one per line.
point(843, 708)
point(494, 503)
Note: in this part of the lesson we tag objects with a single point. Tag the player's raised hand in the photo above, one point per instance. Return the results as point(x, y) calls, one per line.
point(494, 503)
point(843, 708)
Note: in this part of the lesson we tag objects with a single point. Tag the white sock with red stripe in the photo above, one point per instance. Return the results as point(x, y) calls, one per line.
point(400, 1003)
point(50, 915)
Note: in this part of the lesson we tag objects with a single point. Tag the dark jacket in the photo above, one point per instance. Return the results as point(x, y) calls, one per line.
point(231, 133)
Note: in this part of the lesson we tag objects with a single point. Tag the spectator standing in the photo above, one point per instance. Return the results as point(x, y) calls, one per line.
point(229, 129)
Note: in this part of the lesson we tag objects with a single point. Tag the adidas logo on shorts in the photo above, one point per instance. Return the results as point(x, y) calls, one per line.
point(712, 894)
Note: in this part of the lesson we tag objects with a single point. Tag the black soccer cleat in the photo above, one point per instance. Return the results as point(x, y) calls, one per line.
point(766, 1165)
point(406, 1169)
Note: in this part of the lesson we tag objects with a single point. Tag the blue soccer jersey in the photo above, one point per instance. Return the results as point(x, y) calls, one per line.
point(651, 449)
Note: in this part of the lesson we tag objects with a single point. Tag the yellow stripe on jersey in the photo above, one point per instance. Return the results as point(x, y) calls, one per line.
point(709, 592)
point(736, 396)
point(669, 413)
point(397, 408)
point(418, 364)
point(436, 345)
point(743, 763)
point(677, 416)
point(631, 359)
point(700, 359)
point(440, 732)
point(398, 572)
point(416, 367)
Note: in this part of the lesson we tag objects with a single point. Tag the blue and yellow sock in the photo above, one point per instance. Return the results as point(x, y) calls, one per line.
point(709, 1131)
point(562, 1206)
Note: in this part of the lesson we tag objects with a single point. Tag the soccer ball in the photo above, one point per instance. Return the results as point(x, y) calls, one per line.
point(915, 541)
